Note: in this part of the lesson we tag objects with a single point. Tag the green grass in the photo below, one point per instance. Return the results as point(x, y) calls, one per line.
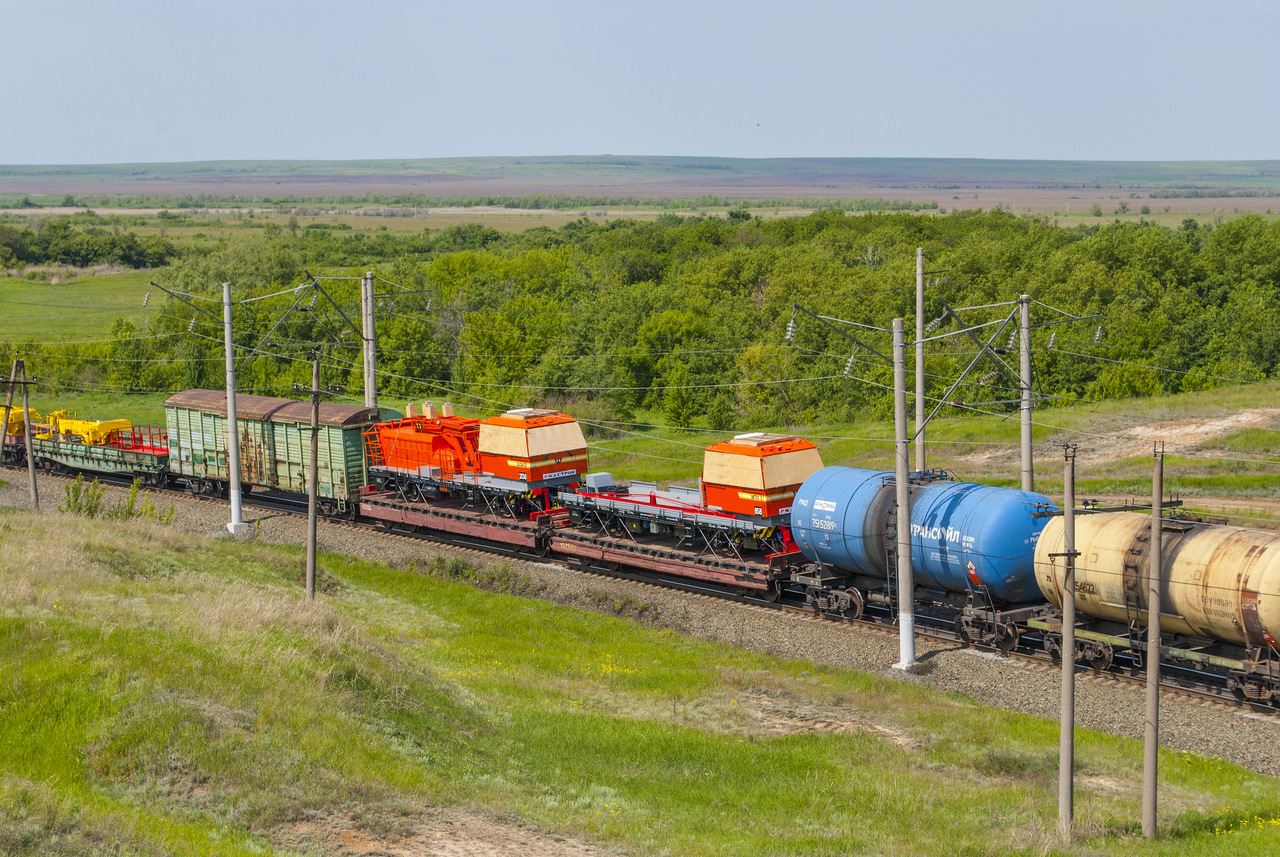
point(78, 309)
point(175, 695)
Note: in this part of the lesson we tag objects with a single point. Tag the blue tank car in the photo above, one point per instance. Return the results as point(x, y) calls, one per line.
point(963, 535)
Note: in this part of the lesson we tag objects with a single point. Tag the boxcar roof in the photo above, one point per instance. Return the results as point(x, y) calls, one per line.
point(271, 408)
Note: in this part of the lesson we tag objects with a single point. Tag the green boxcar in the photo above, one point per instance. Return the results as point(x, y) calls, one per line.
point(275, 443)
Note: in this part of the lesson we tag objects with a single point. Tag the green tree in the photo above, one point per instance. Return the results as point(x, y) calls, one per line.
point(677, 402)
point(720, 414)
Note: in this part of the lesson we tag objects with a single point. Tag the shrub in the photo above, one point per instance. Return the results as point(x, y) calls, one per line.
point(85, 499)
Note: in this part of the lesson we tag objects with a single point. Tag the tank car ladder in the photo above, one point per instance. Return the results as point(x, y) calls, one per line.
point(891, 560)
point(1133, 589)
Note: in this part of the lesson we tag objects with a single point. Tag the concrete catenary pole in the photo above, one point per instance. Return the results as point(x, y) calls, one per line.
point(1067, 719)
point(313, 476)
point(1151, 732)
point(1024, 343)
point(920, 455)
point(26, 433)
point(370, 344)
point(237, 525)
point(906, 583)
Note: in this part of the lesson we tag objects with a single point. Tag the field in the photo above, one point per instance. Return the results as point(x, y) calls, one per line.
point(164, 693)
point(81, 308)
point(1063, 189)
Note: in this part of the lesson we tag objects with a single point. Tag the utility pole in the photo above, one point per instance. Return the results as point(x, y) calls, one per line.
point(1024, 342)
point(920, 460)
point(26, 433)
point(237, 525)
point(1151, 732)
point(8, 408)
point(20, 367)
point(906, 583)
point(313, 475)
point(1067, 716)
point(370, 342)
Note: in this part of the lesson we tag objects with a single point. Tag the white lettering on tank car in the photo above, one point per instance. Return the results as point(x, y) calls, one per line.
point(950, 534)
point(819, 524)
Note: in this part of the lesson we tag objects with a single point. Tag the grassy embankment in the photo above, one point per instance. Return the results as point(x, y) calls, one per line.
point(164, 694)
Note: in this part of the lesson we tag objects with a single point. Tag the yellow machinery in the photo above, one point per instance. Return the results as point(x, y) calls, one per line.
point(16, 428)
point(64, 425)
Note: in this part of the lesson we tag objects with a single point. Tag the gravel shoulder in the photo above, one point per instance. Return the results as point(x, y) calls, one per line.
point(1250, 740)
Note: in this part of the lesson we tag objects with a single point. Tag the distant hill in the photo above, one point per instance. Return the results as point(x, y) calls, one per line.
point(645, 175)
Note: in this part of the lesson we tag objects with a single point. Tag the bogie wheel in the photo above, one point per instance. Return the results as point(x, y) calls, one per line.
point(856, 604)
point(1053, 647)
point(1099, 657)
point(1007, 638)
point(772, 594)
point(962, 633)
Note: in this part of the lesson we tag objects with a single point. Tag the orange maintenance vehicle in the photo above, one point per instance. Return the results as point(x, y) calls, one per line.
point(757, 474)
point(515, 457)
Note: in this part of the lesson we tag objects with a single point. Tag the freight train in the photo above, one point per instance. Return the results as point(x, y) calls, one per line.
point(765, 518)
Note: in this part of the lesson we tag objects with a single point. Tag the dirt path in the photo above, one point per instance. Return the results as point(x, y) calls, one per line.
point(432, 833)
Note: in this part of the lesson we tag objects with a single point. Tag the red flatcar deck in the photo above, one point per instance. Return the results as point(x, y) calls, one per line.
point(480, 523)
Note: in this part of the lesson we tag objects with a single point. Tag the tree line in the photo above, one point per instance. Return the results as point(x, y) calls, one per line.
point(687, 316)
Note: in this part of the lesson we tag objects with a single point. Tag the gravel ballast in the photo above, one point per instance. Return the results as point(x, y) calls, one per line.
point(1249, 739)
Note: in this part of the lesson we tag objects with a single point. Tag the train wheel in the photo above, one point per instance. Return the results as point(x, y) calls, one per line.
point(1007, 637)
point(853, 604)
point(1053, 647)
point(772, 594)
point(962, 633)
point(1099, 657)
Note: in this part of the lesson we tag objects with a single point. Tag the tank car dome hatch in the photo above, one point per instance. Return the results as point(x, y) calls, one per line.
point(1217, 582)
point(530, 445)
point(757, 474)
point(963, 535)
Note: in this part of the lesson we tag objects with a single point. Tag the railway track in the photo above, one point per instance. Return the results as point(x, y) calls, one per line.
point(1176, 681)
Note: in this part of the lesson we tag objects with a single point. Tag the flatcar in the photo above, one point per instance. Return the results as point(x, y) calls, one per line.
point(742, 502)
point(65, 443)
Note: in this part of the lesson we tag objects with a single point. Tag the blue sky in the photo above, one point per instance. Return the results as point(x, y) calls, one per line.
point(133, 81)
